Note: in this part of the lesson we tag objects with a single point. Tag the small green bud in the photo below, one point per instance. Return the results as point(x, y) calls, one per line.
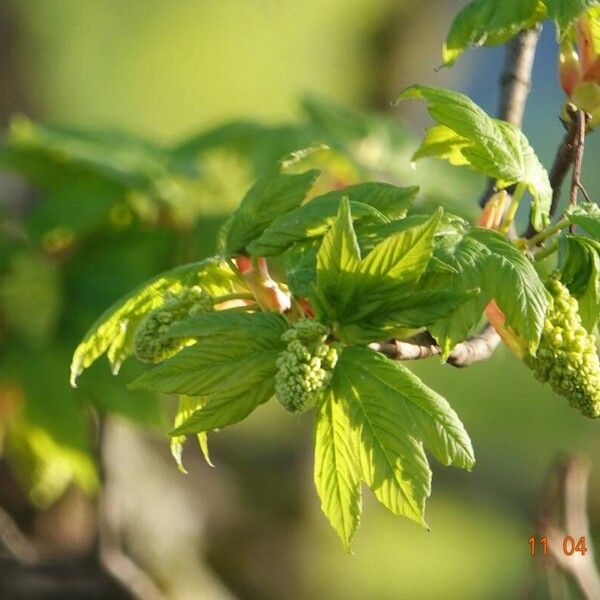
point(152, 341)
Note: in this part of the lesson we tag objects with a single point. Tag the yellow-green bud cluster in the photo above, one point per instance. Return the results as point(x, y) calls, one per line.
point(153, 343)
point(305, 367)
point(567, 357)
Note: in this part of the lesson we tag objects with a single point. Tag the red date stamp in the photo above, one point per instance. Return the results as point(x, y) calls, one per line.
point(570, 545)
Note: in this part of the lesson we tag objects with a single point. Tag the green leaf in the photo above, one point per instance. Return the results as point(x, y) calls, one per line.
point(270, 197)
point(371, 426)
point(301, 258)
point(373, 298)
point(114, 330)
point(489, 22)
point(401, 258)
point(488, 260)
point(338, 260)
point(314, 218)
point(586, 216)
point(371, 234)
point(391, 461)
point(336, 469)
point(580, 272)
point(187, 406)
point(402, 314)
point(443, 143)
point(493, 147)
point(234, 375)
point(423, 413)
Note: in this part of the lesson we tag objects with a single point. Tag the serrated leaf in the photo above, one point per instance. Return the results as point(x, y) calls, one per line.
point(489, 22)
point(233, 375)
point(403, 257)
point(371, 426)
point(391, 461)
point(114, 329)
point(272, 195)
point(376, 297)
point(420, 411)
point(228, 408)
point(309, 222)
point(314, 218)
point(488, 260)
point(217, 362)
point(580, 272)
point(338, 259)
point(234, 323)
point(371, 234)
point(336, 469)
point(493, 147)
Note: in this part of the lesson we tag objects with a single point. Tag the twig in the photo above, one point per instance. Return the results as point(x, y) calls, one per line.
point(580, 123)
point(417, 347)
point(584, 192)
point(477, 348)
point(567, 486)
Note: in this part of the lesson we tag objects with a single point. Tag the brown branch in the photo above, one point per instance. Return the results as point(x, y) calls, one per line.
point(580, 125)
point(566, 487)
point(564, 158)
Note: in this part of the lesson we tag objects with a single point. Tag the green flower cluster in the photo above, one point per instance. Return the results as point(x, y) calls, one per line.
point(305, 367)
point(567, 357)
point(152, 341)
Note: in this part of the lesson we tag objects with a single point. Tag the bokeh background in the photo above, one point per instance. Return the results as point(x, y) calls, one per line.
point(251, 527)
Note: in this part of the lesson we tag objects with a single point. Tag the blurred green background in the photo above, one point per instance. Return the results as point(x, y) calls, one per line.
point(252, 528)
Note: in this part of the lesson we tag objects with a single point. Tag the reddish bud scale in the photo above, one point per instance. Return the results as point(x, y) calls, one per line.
point(585, 43)
point(569, 69)
point(508, 335)
point(493, 211)
point(267, 292)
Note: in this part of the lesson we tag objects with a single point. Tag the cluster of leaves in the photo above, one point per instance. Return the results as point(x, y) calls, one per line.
point(94, 197)
point(488, 22)
point(365, 267)
point(356, 260)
